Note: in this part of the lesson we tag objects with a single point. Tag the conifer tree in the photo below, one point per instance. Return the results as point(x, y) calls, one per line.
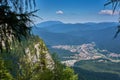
point(15, 20)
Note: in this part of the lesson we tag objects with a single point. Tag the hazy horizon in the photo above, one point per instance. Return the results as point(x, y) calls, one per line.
point(76, 22)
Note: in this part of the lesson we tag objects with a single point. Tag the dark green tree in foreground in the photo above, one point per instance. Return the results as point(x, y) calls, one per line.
point(115, 6)
point(15, 20)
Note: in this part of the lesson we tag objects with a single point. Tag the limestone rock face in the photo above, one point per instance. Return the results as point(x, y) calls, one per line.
point(37, 52)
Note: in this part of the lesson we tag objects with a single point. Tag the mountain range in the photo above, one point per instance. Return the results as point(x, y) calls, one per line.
point(59, 33)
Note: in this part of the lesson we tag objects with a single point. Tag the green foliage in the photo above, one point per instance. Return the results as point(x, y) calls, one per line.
point(21, 68)
point(62, 72)
point(4, 73)
point(68, 74)
point(43, 75)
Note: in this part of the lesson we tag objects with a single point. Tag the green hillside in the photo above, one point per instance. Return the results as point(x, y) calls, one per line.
point(30, 60)
point(94, 70)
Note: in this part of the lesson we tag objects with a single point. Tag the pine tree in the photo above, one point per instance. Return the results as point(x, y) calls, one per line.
point(15, 20)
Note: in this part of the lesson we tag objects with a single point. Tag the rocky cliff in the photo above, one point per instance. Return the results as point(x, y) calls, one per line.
point(37, 52)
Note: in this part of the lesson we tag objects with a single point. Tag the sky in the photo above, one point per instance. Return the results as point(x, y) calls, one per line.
point(75, 11)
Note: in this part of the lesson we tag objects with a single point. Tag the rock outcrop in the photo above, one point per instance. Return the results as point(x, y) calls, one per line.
point(37, 52)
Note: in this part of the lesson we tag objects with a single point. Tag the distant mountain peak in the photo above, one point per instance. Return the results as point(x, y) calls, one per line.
point(49, 23)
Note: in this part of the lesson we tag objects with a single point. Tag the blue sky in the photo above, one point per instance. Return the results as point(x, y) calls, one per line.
point(75, 11)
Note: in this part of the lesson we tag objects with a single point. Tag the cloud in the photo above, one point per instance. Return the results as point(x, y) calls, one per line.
point(59, 12)
point(109, 12)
